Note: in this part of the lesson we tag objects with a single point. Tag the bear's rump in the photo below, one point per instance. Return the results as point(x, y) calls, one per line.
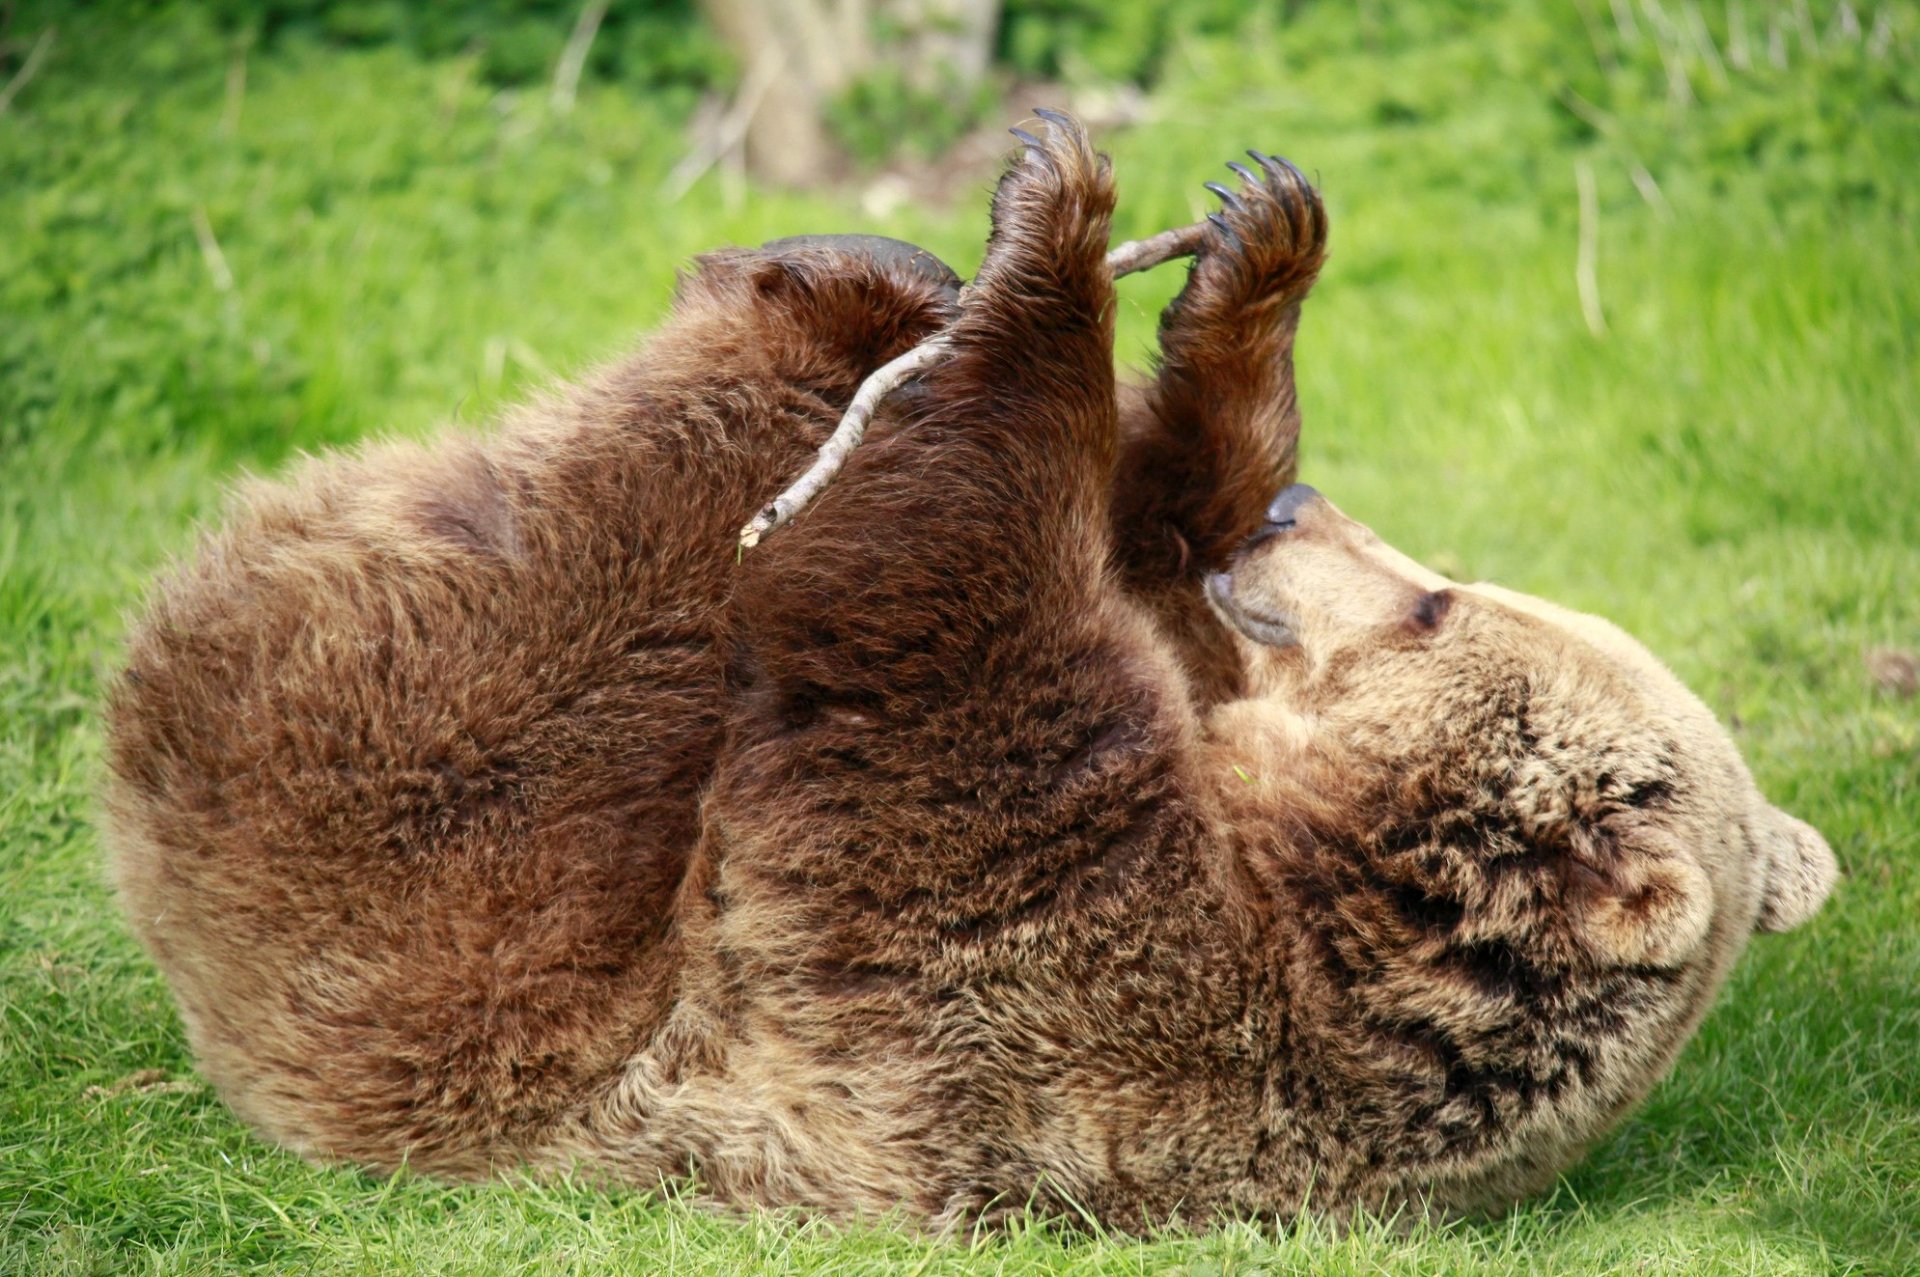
point(406, 773)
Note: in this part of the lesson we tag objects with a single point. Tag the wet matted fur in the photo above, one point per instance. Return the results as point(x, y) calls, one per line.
point(1041, 817)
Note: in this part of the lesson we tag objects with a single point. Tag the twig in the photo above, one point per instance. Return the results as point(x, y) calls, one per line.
point(844, 439)
point(1144, 254)
point(573, 58)
point(1128, 258)
point(1586, 271)
point(27, 70)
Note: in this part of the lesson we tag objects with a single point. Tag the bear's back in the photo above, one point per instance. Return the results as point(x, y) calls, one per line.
point(407, 760)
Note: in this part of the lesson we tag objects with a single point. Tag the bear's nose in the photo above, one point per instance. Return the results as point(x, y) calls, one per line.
point(1287, 506)
point(1281, 515)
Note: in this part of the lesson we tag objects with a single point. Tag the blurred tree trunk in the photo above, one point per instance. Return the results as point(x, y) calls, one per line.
point(796, 56)
point(944, 42)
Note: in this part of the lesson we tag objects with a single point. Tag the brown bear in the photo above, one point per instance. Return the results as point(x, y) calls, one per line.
point(1043, 820)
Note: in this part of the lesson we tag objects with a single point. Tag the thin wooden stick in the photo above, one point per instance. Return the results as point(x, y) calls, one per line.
point(844, 439)
point(1127, 259)
point(1144, 254)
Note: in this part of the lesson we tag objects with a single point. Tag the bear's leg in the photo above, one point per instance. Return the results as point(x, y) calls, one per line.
point(953, 763)
point(1212, 439)
point(987, 478)
point(932, 659)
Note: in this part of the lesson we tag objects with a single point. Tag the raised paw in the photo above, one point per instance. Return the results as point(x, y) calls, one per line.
point(1051, 215)
point(1221, 422)
point(1059, 162)
point(1028, 373)
point(1262, 252)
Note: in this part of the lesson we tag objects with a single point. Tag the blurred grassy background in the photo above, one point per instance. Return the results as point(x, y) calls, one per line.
point(232, 231)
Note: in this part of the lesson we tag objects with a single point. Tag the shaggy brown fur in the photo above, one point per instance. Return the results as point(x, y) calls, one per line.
point(955, 849)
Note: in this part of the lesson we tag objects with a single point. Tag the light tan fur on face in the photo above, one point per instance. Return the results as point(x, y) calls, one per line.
point(1343, 593)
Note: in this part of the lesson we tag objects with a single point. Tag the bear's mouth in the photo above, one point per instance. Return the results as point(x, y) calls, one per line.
point(1258, 624)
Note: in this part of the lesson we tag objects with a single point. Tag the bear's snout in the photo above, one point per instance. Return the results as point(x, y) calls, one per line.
point(1261, 625)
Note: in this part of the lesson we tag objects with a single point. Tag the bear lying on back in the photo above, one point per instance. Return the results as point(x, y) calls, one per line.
point(1044, 817)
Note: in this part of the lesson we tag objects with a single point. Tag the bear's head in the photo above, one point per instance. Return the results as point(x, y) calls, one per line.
point(1484, 723)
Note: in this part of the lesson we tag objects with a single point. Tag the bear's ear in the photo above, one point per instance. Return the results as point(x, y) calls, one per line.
point(1637, 900)
point(1799, 868)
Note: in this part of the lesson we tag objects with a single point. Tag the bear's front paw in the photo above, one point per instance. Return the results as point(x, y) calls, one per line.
point(1263, 250)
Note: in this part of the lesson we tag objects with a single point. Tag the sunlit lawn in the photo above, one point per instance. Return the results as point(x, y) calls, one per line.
point(196, 282)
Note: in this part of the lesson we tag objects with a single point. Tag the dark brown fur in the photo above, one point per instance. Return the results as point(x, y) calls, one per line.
point(483, 808)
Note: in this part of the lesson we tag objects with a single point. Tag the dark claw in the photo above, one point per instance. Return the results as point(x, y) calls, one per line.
point(1054, 117)
point(1227, 197)
point(1027, 138)
point(1277, 165)
point(1226, 227)
point(1246, 174)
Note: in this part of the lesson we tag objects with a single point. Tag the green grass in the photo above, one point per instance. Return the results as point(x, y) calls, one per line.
point(1732, 471)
